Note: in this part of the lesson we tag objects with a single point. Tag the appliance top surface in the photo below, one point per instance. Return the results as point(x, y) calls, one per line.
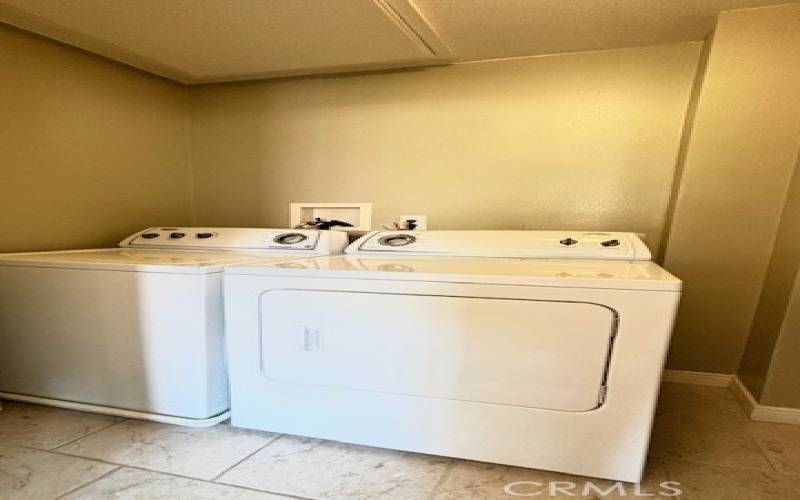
point(568, 244)
point(617, 274)
point(189, 250)
point(141, 259)
point(150, 256)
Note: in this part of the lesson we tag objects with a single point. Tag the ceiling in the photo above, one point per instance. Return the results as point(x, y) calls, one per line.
point(202, 41)
point(487, 29)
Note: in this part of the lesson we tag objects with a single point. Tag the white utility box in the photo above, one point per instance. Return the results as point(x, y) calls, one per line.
point(357, 214)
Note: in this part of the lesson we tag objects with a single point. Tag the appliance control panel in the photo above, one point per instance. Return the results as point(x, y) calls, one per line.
point(310, 241)
point(511, 244)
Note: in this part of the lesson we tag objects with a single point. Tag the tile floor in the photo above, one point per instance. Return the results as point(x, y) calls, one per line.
point(702, 439)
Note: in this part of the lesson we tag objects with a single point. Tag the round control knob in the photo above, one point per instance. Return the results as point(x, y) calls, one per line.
point(568, 241)
point(290, 238)
point(176, 236)
point(610, 243)
point(397, 240)
point(150, 236)
point(204, 236)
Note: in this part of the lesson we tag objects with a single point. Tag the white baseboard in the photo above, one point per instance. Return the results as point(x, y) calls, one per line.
point(776, 414)
point(697, 378)
point(757, 411)
point(744, 396)
point(764, 413)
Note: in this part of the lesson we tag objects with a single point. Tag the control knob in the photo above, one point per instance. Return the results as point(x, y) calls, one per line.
point(397, 240)
point(290, 238)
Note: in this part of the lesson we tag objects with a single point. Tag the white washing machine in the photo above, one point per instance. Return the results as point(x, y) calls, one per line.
point(135, 331)
point(537, 349)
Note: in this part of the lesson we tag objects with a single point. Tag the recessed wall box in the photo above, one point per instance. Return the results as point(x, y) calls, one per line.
point(357, 214)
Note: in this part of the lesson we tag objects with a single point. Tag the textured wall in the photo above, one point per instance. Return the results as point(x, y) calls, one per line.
point(782, 380)
point(91, 150)
point(570, 141)
point(739, 162)
point(775, 296)
point(782, 383)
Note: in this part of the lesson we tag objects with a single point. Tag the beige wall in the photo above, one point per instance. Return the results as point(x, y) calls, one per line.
point(780, 285)
point(89, 150)
point(571, 141)
point(739, 161)
point(782, 385)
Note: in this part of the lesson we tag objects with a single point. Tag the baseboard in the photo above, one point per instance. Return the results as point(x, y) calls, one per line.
point(757, 411)
point(744, 395)
point(764, 413)
point(776, 415)
point(697, 378)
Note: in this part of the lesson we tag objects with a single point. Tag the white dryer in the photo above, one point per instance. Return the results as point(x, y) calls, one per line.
point(135, 331)
point(540, 349)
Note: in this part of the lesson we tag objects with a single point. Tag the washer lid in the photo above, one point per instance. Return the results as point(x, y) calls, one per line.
point(523, 244)
point(630, 275)
point(136, 259)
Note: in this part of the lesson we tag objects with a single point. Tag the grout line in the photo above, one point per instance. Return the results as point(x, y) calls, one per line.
point(445, 476)
point(216, 478)
point(72, 455)
point(275, 438)
point(101, 476)
point(173, 474)
point(87, 435)
point(762, 450)
point(759, 446)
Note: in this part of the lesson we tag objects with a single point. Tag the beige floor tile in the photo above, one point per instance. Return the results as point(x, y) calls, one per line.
point(781, 443)
point(33, 474)
point(482, 481)
point(200, 453)
point(709, 482)
point(704, 425)
point(126, 483)
point(325, 469)
point(46, 427)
